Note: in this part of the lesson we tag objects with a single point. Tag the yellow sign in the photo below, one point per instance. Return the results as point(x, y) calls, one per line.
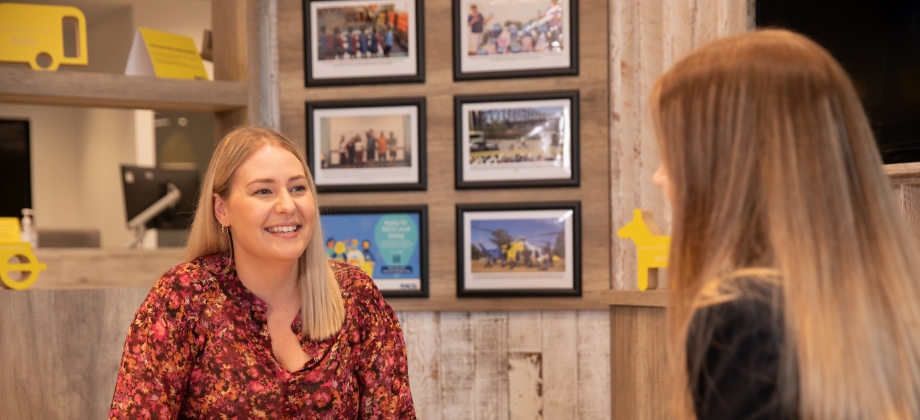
point(9, 230)
point(18, 265)
point(41, 35)
point(164, 55)
point(652, 246)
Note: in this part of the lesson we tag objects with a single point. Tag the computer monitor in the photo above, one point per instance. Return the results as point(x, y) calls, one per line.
point(145, 186)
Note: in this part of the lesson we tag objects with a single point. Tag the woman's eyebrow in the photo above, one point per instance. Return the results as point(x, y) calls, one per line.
point(261, 181)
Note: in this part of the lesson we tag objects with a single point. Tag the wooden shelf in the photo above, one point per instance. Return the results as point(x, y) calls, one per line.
point(650, 298)
point(70, 88)
point(903, 172)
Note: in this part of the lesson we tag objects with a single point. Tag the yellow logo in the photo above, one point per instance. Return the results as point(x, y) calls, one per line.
point(36, 34)
point(652, 246)
point(18, 265)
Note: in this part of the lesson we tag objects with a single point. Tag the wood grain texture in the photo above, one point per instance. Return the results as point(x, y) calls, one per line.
point(91, 268)
point(560, 369)
point(908, 196)
point(61, 350)
point(638, 363)
point(441, 197)
point(654, 298)
point(235, 34)
point(593, 365)
point(490, 347)
point(647, 37)
point(69, 88)
point(456, 363)
point(525, 386)
point(422, 333)
point(904, 173)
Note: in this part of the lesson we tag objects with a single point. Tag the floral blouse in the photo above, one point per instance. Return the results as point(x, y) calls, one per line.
point(199, 348)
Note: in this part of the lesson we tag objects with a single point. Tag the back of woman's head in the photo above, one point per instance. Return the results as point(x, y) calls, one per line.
point(774, 167)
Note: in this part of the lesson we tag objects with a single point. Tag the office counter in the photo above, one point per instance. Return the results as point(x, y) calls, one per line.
point(61, 340)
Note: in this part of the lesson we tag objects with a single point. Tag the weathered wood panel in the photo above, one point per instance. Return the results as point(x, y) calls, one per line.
point(593, 365)
point(908, 196)
point(490, 347)
point(560, 369)
point(646, 38)
point(422, 334)
point(61, 350)
point(456, 366)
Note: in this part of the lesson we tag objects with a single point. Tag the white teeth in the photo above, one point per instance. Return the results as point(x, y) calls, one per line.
point(282, 229)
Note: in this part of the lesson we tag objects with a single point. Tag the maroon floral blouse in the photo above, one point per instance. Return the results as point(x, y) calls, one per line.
point(199, 348)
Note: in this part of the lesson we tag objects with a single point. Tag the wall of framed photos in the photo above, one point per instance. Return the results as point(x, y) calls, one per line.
point(440, 91)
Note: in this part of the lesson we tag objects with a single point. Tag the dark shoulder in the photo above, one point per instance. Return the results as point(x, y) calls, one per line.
point(734, 355)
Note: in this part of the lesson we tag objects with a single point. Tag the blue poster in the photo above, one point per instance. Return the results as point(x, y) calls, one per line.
point(386, 246)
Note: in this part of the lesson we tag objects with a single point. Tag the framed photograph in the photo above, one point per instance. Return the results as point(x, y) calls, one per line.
point(367, 145)
point(349, 42)
point(520, 38)
point(390, 244)
point(520, 140)
point(524, 249)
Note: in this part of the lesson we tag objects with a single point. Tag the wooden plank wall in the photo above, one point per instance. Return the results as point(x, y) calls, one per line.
point(509, 365)
point(646, 37)
point(61, 349)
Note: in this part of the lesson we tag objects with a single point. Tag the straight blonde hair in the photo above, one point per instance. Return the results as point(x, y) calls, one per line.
point(322, 310)
point(778, 179)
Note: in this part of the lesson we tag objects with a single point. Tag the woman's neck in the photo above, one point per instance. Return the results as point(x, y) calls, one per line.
point(275, 283)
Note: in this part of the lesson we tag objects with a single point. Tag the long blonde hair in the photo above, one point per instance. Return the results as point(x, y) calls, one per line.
point(322, 309)
point(777, 178)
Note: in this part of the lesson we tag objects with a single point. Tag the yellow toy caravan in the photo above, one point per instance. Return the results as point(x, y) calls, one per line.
point(18, 265)
point(35, 34)
point(651, 245)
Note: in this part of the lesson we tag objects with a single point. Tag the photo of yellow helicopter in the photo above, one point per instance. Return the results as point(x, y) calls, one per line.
point(506, 245)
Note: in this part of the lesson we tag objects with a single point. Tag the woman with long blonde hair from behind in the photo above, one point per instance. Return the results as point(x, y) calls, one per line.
point(793, 278)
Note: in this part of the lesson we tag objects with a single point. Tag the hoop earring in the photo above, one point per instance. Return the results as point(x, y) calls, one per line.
point(226, 231)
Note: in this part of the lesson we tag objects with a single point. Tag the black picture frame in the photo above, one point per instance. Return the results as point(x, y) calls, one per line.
point(330, 179)
point(501, 280)
point(390, 288)
point(470, 174)
point(319, 72)
point(501, 72)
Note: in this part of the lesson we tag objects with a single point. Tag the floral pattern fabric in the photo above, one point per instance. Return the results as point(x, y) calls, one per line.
point(199, 348)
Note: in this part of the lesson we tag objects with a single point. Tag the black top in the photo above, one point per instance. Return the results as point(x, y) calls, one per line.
point(736, 378)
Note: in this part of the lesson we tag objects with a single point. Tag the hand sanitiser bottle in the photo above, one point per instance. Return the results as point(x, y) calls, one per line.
point(28, 233)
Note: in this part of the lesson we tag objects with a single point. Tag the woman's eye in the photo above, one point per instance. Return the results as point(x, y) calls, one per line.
point(299, 188)
point(264, 191)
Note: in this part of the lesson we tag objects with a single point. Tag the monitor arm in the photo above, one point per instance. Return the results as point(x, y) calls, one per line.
point(139, 222)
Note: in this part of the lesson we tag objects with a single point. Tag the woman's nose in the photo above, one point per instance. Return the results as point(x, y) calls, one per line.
point(284, 203)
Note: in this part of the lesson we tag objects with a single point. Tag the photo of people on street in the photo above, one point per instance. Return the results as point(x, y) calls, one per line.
point(526, 136)
point(517, 139)
point(494, 39)
point(516, 27)
point(350, 42)
point(365, 31)
point(523, 245)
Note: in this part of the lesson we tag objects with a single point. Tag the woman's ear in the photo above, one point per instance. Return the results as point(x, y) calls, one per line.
point(220, 209)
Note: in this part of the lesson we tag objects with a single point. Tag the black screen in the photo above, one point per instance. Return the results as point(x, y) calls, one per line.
point(144, 186)
point(15, 168)
point(878, 44)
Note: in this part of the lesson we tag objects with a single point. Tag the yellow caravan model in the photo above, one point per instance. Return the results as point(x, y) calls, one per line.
point(35, 34)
